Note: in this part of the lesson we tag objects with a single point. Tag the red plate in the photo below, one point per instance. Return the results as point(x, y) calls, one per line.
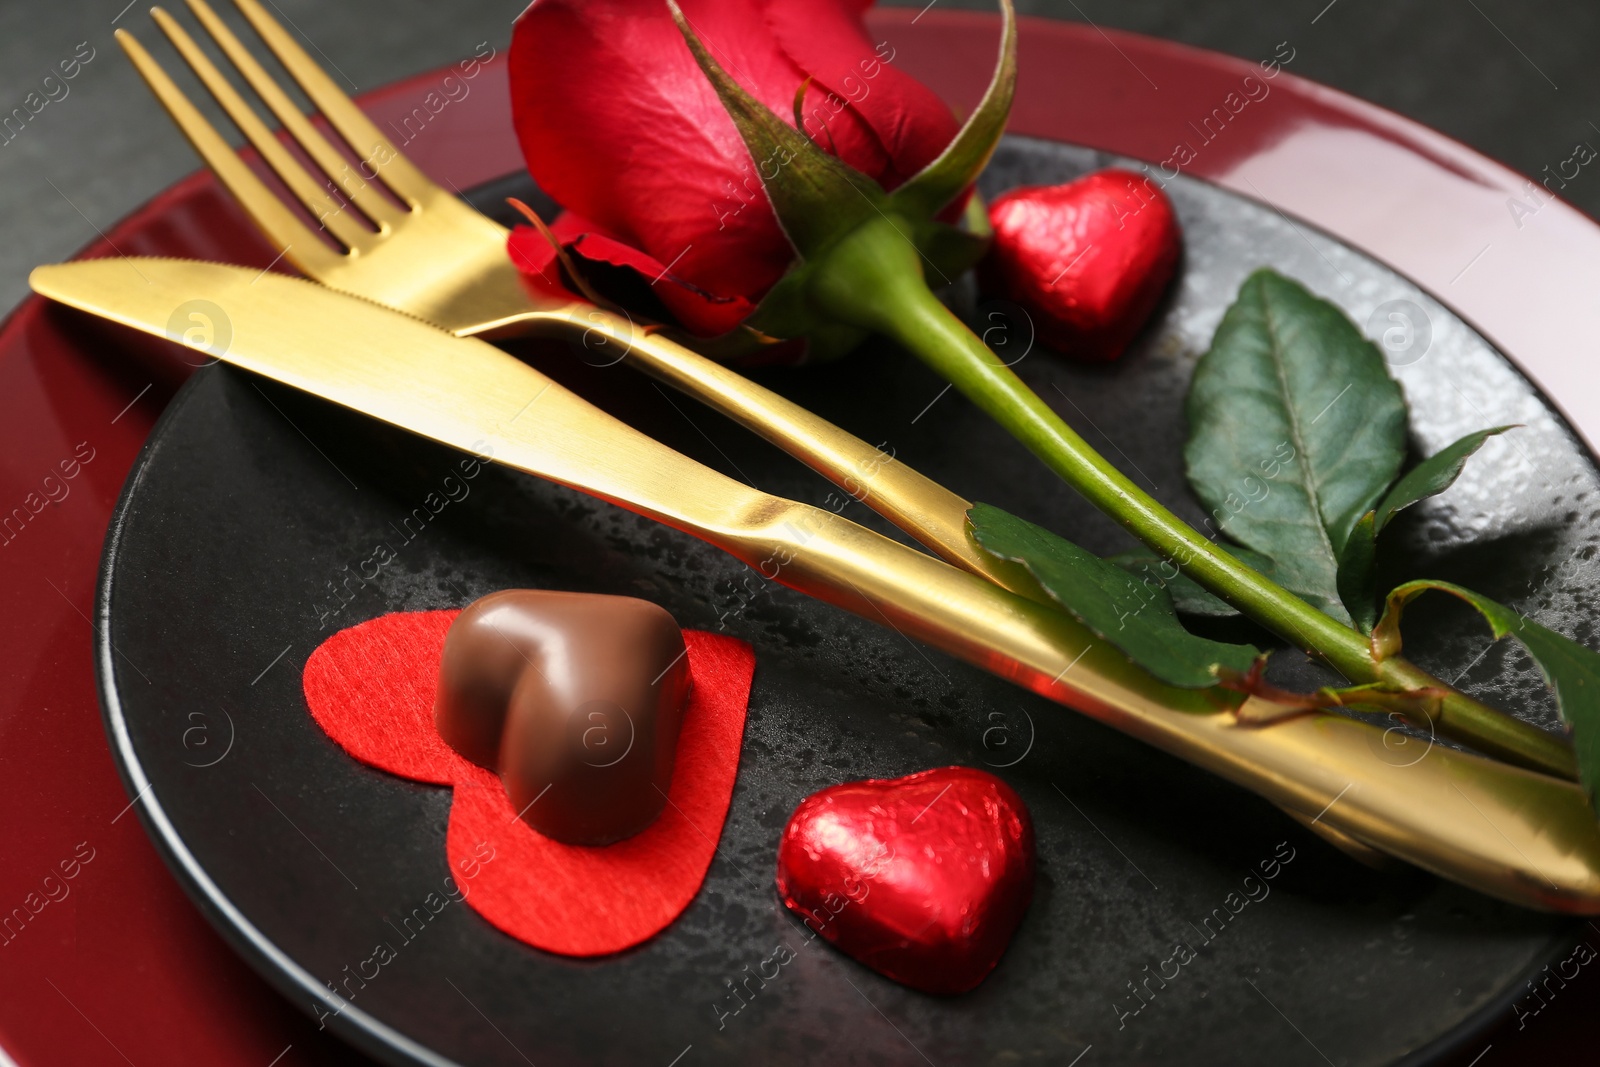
point(114, 963)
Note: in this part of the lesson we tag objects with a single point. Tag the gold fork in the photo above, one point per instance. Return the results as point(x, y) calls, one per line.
point(440, 260)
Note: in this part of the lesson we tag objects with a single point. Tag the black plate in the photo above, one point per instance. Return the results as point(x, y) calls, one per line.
point(251, 505)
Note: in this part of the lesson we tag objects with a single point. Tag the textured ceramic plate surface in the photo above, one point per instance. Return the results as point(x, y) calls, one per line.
point(251, 504)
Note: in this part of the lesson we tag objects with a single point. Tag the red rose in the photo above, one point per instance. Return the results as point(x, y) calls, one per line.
point(619, 125)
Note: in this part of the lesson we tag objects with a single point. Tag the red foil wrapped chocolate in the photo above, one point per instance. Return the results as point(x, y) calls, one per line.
point(1088, 260)
point(923, 878)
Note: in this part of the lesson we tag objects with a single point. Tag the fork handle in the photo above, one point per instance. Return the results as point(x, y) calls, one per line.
point(1514, 834)
point(920, 506)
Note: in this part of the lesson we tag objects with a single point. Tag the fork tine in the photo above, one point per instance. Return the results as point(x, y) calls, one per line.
point(372, 203)
point(394, 169)
point(302, 248)
point(317, 200)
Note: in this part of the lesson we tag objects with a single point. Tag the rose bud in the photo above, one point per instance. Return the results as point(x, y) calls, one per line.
point(619, 125)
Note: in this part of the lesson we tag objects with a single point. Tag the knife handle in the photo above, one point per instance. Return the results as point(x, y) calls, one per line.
point(1511, 833)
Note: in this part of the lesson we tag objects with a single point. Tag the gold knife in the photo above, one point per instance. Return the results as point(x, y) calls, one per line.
point(1512, 833)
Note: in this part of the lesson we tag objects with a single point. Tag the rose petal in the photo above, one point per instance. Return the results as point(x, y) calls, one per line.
point(618, 123)
point(903, 124)
point(700, 312)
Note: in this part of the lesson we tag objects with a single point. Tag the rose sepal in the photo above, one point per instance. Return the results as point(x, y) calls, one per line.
point(945, 252)
point(819, 200)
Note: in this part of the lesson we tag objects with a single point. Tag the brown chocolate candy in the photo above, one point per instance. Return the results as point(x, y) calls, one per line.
point(575, 699)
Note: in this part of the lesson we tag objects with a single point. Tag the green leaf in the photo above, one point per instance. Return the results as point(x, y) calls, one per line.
point(1433, 475)
point(1569, 668)
point(816, 197)
point(1188, 595)
point(949, 251)
point(1358, 583)
point(785, 311)
point(1295, 431)
point(946, 251)
point(976, 216)
point(1358, 573)
point(1138, 620)
point(958, 166)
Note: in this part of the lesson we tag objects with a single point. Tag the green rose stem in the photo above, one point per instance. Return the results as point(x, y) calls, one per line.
point(873, 279)
point(860, 252)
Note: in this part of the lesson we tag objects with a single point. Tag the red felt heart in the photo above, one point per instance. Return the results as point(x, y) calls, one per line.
point(1087, 260)
point(371, 688)
point(922, 878)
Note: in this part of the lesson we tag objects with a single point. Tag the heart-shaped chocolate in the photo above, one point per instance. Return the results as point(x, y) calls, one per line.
point(575, 699)
point(923, 878)
point(1088, 260)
